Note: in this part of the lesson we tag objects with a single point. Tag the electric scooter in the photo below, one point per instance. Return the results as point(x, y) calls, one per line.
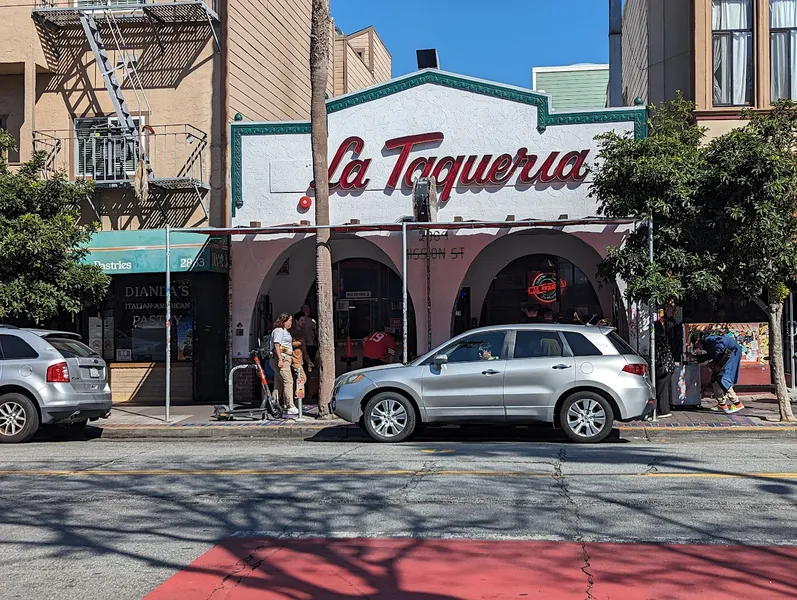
point(269, 406)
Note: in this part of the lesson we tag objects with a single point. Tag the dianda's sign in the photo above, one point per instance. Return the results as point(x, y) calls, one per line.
point(349, 167)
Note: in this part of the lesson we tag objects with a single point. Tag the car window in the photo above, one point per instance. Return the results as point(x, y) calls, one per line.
point(580, 345)
point(479, 346)
point(15, 348)
point(621, 345)
point(71, 348)
point(537, 344)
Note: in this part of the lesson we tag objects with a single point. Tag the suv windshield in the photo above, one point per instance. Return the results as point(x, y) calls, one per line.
point(71, 348)
point(621, 345)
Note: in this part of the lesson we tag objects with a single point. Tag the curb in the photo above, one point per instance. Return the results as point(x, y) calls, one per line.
point(352, 432)
point(238, 431)
point(703, 432)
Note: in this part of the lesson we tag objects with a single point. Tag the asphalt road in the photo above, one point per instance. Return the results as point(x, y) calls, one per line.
point(113, 520)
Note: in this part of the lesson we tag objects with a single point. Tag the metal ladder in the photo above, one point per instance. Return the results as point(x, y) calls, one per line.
point(130, 129)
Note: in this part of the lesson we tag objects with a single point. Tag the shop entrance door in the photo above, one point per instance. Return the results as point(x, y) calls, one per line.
point(367, 295)
point(209, 338)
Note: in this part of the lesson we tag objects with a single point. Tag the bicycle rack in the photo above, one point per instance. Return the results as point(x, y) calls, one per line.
point(231, 392)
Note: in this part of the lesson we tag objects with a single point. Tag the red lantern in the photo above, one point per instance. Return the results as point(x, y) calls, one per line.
point(305, 202)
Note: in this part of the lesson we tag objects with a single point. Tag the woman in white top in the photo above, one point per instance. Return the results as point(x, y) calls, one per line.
point(281, 344)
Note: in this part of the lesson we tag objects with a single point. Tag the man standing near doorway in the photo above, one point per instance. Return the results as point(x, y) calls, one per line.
point(379, 348)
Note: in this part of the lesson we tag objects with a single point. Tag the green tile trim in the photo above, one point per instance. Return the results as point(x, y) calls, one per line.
point(545, 119)
point(237, 131)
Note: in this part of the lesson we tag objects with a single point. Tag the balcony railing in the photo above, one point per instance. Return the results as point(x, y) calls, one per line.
point(176, 154)
point(65, 12)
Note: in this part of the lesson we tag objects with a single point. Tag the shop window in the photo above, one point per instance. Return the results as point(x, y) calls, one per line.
point(537, 344)
point(783, 47)
point(580, 345)
point(543, 281)
point(15, 348)
point(140, 316)
point(732, 45)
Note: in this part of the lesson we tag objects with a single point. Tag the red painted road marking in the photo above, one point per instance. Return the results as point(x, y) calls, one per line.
point(323, 569)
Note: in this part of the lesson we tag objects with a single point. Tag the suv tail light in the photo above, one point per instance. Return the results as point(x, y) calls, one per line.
point(58, 373)
point(640, 370)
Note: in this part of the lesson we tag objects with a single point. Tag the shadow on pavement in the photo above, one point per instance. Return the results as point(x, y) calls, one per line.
point(464, 433)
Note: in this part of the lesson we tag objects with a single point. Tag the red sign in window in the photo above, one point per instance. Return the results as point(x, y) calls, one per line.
point(543, 287)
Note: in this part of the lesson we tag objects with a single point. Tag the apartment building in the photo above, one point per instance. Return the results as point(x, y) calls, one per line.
point(138, 96)
point(725, 55)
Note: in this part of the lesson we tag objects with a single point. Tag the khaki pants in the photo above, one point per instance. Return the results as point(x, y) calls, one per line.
point(283, 380)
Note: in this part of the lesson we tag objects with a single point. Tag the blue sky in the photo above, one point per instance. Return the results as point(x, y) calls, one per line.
point(494, 40)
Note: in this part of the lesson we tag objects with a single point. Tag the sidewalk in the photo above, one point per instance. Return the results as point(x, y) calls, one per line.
point(759, 418)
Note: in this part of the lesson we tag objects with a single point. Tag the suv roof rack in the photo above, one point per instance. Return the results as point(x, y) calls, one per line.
point(4, 326)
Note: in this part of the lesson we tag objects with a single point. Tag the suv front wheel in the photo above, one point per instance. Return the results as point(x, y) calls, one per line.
point(586, 417)
point(389, 417)
point(19, 420)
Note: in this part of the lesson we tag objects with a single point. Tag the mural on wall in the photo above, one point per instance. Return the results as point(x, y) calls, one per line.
point(752, 337)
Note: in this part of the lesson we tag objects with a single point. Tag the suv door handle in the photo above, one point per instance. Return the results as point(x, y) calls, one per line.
point(490, 372)
point(561, 366)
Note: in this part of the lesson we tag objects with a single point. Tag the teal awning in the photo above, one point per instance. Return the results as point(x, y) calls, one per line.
point(143, 251)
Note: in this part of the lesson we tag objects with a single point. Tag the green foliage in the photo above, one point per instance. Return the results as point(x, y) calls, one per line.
point(748, 194)
point(42, 243)
point(657, 177)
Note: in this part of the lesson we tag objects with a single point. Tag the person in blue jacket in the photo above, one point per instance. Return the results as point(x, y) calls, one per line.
point(726, 356)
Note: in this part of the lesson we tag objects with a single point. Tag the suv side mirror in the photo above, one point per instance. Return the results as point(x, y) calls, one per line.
point(440, 360)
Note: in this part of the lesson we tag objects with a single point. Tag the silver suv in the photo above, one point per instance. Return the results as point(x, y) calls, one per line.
point(48, 377)
point(580, 378)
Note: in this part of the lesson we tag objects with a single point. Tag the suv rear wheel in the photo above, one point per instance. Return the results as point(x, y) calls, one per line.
point(586, 417)
point(389, 417)
point(19, 420)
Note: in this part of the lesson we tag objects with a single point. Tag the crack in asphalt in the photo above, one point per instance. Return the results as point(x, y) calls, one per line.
point(586, 567)
point(248, 561)
point(344, 453)
point(414, 481)
point(653, 466)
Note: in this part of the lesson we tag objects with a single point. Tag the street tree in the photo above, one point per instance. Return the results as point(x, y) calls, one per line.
point(42, 243)
point(656, 178)
point(748, 196)
point(319, 67)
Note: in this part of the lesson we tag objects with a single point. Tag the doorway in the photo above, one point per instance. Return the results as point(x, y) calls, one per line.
point(366, 295)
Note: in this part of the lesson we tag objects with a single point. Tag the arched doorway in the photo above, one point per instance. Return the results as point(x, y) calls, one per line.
point(367, 295)
point(545, 280)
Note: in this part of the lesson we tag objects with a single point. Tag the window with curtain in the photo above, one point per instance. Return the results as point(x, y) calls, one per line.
point(732, 39)
point(783, 44)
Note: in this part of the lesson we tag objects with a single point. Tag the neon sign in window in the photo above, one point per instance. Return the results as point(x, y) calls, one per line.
point(544, 287)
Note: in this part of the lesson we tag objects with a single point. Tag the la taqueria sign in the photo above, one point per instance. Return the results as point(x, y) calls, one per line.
point(348, 170)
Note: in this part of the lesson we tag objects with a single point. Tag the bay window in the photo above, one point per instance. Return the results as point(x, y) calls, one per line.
point(783, 48)
point(732, 42)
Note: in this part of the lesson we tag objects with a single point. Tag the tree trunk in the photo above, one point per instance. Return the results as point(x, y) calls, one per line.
point(319, 66)
point(775, 314)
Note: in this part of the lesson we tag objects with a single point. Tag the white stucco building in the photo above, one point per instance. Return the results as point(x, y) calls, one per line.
point(499, 153)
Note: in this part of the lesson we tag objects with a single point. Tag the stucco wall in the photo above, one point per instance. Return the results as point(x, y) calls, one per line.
point(276, 172)
point(277, 169)
point(464, 258)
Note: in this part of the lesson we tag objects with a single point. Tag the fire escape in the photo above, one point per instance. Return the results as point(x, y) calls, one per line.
point(159, 161)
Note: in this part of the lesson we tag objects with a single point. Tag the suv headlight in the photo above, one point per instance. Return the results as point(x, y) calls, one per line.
point(354, 378)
